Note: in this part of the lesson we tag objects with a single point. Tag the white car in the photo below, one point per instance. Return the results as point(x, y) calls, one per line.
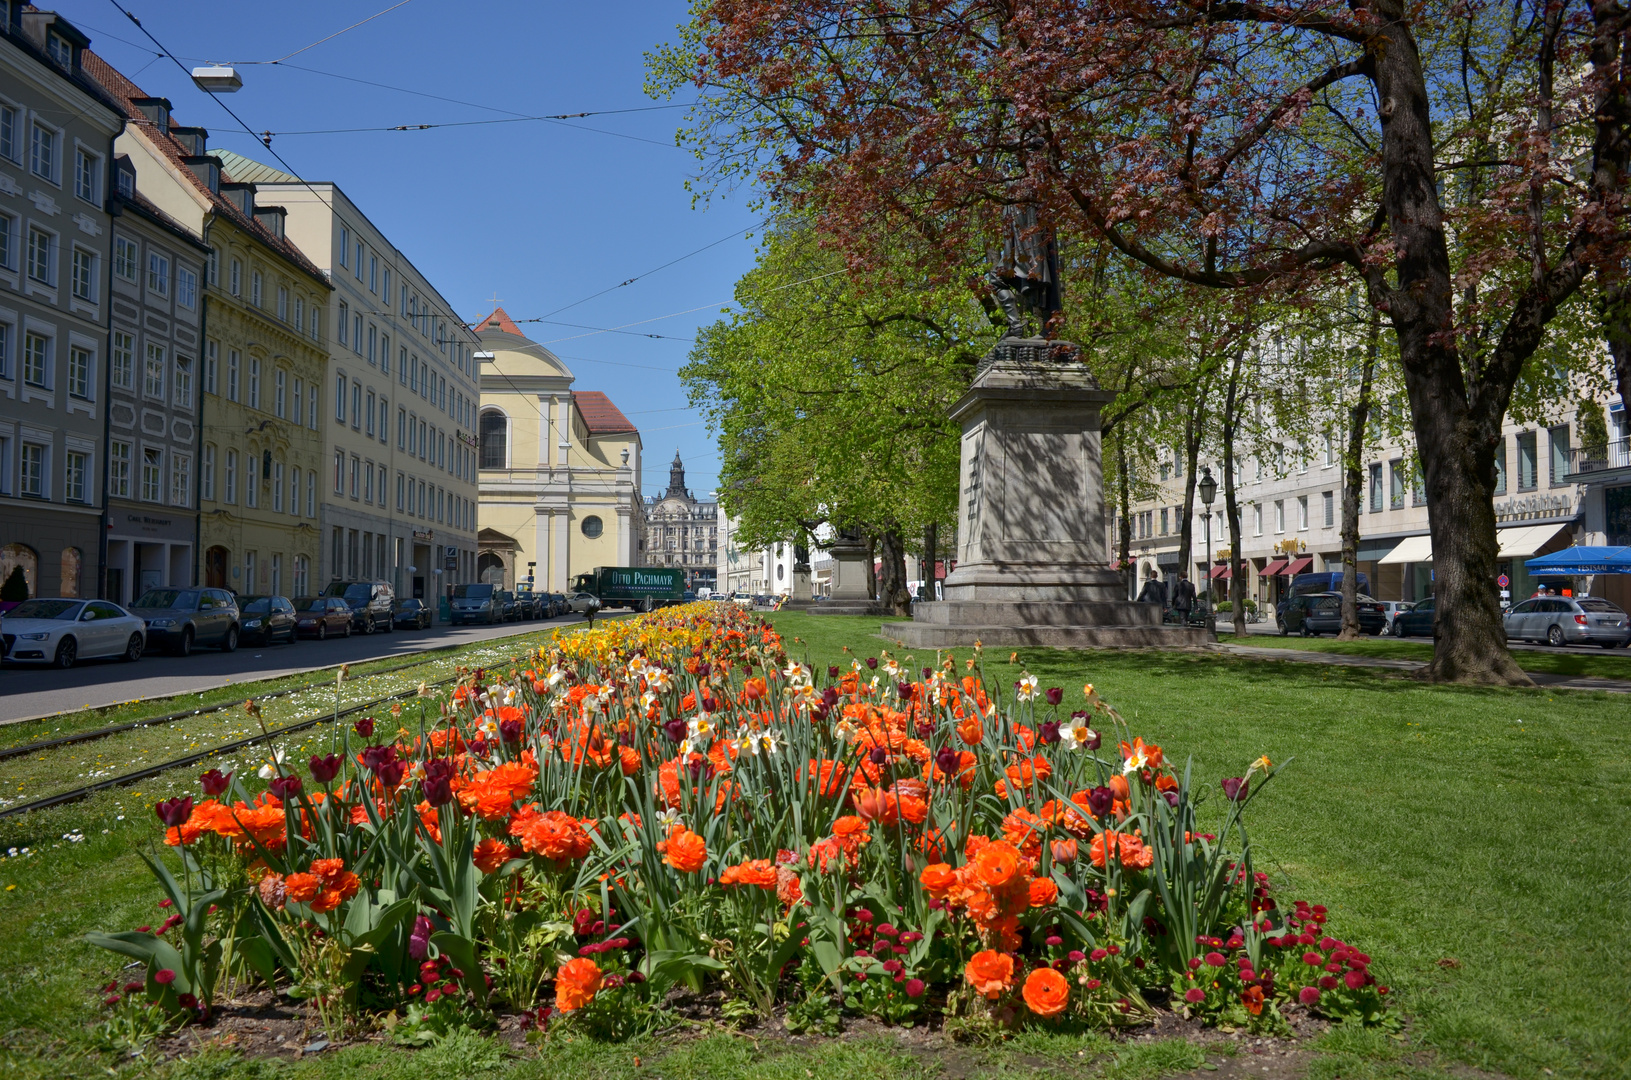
point(60, 632)
point(582, 603)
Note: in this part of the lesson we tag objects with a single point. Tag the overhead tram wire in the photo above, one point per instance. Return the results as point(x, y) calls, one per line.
point(320, 41)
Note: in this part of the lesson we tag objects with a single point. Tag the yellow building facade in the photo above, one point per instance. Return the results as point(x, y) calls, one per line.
point(559, 468)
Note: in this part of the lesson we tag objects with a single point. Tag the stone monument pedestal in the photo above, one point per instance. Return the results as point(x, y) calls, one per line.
point(1033, 564)
point(849, 591)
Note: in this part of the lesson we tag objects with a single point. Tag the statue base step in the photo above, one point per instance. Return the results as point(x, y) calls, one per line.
point(838, 607)
point(928, 635)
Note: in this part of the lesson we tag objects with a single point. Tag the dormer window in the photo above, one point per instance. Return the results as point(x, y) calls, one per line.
point(60, 49)
point(127, 184)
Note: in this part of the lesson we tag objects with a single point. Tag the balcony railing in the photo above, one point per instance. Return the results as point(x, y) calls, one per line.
point(1615, 454)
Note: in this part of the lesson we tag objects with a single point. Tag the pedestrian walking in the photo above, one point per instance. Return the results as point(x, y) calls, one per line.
point(1154, 591)
point(1542, 591)
point(1183, 596)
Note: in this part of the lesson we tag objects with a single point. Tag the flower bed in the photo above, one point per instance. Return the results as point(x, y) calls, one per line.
point(671, 803)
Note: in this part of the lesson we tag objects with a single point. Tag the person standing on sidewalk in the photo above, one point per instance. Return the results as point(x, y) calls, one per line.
point(1183, 596)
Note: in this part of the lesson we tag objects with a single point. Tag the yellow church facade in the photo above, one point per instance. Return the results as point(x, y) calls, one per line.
point(559, 469)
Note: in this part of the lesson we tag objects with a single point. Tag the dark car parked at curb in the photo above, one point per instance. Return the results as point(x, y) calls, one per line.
point(1417, 622)
point(179, 619)
point(1569, 620)
point(509, 610)
point(411, 614)
point(371, 603)
point(265, 619)
point(1313, 614)
point(322, 617)
point(474, 603)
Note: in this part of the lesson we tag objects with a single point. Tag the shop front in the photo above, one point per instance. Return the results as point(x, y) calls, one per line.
point(149, 549)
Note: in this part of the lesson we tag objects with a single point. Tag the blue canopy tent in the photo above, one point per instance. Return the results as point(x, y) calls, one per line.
point(1580, 561)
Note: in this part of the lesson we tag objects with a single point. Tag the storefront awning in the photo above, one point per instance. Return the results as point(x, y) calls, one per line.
point(1219, 571)
point(1412, 549)
point(1581, 561)
point(1275, 567)
point(1524, 540)
point(1300, 565)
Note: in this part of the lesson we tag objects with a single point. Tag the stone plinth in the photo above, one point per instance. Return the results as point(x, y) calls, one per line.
point(849, 591)
point(1033, 564)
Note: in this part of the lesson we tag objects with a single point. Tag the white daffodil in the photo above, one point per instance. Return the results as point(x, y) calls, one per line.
point(771, 742)
point(1076, 736)
point(556, 677)
point(893, 668)
point(700, 727)
point(647, 700)
point(417, 772)
point(746, 742)
point(1025, 689)
point(490, 728)
point(509, 695)
point(845, 730)
point(687, 747)
point(270, 769)
point(1136, 760)
point(658, 679)
point(796, 672)
point(668, 818)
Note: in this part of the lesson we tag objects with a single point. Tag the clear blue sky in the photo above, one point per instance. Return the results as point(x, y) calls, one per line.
point(543, 214)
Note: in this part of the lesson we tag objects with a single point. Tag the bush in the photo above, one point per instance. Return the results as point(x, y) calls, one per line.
point(15, 588)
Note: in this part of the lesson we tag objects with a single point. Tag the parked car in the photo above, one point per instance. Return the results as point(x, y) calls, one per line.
point(61, 632)
point(508, 609)
point(582, 603)
point(1393, 609)
point(323, 616)
point(556, 604)
point(371, 603)
point(179, 619)
point(742, 599)
point(528, 604)
point(476, 602)
point(265, 619)
point(1417, 622)
point(1321, 613)
point(411, 614)
point(1564, 620)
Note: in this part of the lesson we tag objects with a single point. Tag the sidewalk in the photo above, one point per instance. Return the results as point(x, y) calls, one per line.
point(1309, 656)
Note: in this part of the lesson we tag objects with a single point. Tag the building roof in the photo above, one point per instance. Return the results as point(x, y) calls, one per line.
point(498, 320)
point(600, 415)
point(249, 171)
point(125, 92)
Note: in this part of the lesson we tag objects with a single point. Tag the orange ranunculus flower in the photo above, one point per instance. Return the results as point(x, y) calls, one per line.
point(1024, 830)
point(1046, 992)
point(937, 878)
point(912, 808)
point(555, 835)
point(576, 984)
point(754, 689)
point(686, 851)
point(850, 829)
point(991, 973)
point(1127, 847)
point(301, 888)
point(1026, 772)
point(760, 872)
point(1044, 891)
point(629, 758)
point(327, 900)
point(997, 863)
point(491, 854)
point(971, 731)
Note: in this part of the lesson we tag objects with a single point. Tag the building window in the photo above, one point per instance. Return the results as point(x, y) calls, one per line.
point(373, 342)
point(592, 526)
point(402, 366)
point(119, 469)
point(73, 476)
point(316, 326)
point(181, 480)
point(345, 323)
point(1396, 482)
point(231, 474)
point(235, 279)
point(153, 372)
point(8, 253)
point(1328, 502)
point(186, 288)
point(158, 274)
point(152, 474)
point(373, 274)
point(79, 372)
point(1500, 466)
point(368, 482)
point(124, 258)
point(339, 472)
point(358, 267)
point(1302, 513)
point(82, 275)
point(302, 575)
point(254, 382)
point(370, 412)
point(211, 352)
point(356, 466)
point(212, 267)
point(356, 405)
point(385, 354)
point(279, 393)
point(356, 334)
point(255, 281)
point(36, 360)
point(1558, 437)
point(43, 154)
point(494, 440)
point(277, 487)
point(232, 374)
point(39, 256)
point(1279, 516)
point(33, 469)
point(399, 485)
point(299, 313)
point(252, 488)
point(299, 387)
point(60, 49)
point(1528, 462)
point(282, 304)
point(206, 479)
point(311, 494)
point(8, 134)
point(345, 246)
point(85, 173)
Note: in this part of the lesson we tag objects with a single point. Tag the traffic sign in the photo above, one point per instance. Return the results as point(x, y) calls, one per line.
point(1503, 581)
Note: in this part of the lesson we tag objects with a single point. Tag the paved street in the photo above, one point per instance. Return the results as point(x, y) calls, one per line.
point(26, 690)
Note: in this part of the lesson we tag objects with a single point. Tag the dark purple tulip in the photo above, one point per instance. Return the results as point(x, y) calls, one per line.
point(286, 787)
point(947, 759)
point(696, 766)
point(924, 729)
point(1100, 800)
point(324, 769)
point(832, 671)
point(1235, 788)
point(904, 690)
point(419, 940)
point(391, 773)
point(438, 781)
point(878, 755)
point(927, 672)
point(215, 782)
point(872, 662)
point(675, 729)
point(1171, 797)
point(1054, 695)
point(1047, 732)
point(829, 697)
point(175, 812)
point(375, 758)
point(510, 730)
point(709, 704)
point(364, 727)
point(479, 747)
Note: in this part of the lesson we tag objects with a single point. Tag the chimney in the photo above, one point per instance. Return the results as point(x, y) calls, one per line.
point(156, 110)
point(207, 169)
point(192, 139)
point(271, 219)
point(240, 195)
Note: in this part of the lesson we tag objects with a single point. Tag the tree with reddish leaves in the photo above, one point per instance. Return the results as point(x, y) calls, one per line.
point(1458, 160)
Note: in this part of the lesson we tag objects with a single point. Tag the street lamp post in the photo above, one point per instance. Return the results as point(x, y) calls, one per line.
point(1209, 491)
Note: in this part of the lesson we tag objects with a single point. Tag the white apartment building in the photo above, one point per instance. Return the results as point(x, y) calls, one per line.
point(401, 503)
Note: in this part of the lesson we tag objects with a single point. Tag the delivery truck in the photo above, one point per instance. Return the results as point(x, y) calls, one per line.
point(641, 587)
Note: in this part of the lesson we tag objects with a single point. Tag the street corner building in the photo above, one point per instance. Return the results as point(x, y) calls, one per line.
point(560, 468)
point(683, 531)
point(57, 131)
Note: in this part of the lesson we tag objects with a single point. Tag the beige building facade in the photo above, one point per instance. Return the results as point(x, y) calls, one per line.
point(559, 468)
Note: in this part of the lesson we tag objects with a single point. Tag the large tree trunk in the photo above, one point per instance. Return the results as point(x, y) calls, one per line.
point(931, 541)
point(1353, 478)
point(892, 588)
point(1124, 539)
point(1231, 401)
point(871, 565)
point(1611, 159)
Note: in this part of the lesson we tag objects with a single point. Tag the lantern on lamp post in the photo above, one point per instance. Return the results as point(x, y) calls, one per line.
point(1208, 490)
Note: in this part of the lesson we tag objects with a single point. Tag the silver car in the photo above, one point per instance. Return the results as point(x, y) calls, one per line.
point(1564, 620)
point(60, 632)
point(1392, 609)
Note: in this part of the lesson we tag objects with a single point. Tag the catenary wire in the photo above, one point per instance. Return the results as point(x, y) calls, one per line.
point(331, 37)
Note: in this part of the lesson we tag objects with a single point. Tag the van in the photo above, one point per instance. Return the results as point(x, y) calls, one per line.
point(1326, 581)
point(476, 602)
point(372, 603)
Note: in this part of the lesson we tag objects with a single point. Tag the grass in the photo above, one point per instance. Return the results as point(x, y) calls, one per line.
point(1440, 824)
point(1574, 660)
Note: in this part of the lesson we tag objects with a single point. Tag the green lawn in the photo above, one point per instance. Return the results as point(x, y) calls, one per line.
point(1571, 660)
point(1472, 841)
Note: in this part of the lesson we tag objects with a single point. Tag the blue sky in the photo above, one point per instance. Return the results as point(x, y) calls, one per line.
point(539, 214)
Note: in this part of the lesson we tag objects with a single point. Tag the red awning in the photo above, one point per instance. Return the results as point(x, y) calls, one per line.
point(1219, 571)
point(1300, 566)
point(1275, 567)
